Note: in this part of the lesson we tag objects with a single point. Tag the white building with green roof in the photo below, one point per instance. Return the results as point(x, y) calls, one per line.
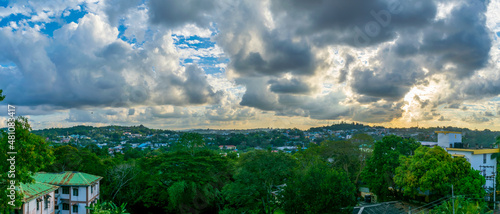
point(76, 190)
point(37, 198)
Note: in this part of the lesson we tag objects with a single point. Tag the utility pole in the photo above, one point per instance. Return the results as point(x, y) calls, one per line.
point(452, 199)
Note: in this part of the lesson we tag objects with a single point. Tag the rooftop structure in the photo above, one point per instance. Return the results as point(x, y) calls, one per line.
point(35, 190)
point(67, 178)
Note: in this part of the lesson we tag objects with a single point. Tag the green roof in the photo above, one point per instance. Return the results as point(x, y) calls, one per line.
point(67, 178)
point(35, 190)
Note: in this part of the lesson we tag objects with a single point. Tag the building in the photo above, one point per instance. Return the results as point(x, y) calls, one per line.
point(38, 198)
point(479, 157)
point(75, 190)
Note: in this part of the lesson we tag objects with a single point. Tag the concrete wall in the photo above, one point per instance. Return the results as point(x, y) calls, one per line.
point(30, 207)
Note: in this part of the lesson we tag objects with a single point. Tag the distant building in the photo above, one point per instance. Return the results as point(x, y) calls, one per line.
point(74, 192)
point(479, 157)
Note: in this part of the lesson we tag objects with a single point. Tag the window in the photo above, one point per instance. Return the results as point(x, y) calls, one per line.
point(75, 208)
point(484, 158)
point(47, 200)
point(65, 206)
point(65, 190)
point(56, 207)
point(37, 205)
point(56, 191)
point(91, 189)
point(75, 191)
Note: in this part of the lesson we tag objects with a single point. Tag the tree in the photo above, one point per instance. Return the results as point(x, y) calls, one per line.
point(435, 170)
point(381, 167)
point(33, 154)
point(191, 142)
point(107, 208)
point(319, 189)
point(180, 181)
point(1, 96)
point(462, 206)
point(257, 181)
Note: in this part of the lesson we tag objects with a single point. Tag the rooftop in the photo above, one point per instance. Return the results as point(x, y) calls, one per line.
point(448, 132)
point(476, 151)
point(35, 190)
point(67, 178)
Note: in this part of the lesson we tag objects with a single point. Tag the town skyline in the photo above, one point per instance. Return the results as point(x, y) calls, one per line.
point(221, 64)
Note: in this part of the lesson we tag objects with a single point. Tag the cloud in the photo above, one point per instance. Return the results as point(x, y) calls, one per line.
point(176, 13)
point(289, 86)
point(85, 64)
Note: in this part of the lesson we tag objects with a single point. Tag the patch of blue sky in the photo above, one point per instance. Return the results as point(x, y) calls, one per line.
point(212, 69)
point(12, 18)
point(194, 42)
point(6, 65)
point(74, 15)
point(498, 34)
point(49, 27)
point(4, 3)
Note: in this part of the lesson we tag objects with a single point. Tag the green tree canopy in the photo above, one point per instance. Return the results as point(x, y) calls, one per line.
point(257, 182)
point(319, 188)
point(381, 167)
point(33, 154)
point(180, 181)
point(435, 170)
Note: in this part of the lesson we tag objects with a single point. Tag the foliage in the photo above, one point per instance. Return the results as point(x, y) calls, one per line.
point(257, 182)
point(33, 154)
point(462, 206)
point(319, 189)
point(180, 181)
point(107, 208)
point(381, 167)
point(435, 170)
point(1, 96)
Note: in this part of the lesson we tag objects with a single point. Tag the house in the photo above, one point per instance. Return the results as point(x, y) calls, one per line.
point(479, 157)
point(37, 198)
point(75, 190)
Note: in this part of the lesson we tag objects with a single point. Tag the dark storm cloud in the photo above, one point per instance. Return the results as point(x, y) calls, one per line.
point(292, 86)
point(345, 70)
point(462, 39)
point(282, 56)
point(388, 83)
point(357, 22)
point(116, 9)
point(378, 112)
point(175, 13)
point(257, 95)
point(327, 107)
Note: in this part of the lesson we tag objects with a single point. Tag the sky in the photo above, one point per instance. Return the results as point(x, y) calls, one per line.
point(225, 64)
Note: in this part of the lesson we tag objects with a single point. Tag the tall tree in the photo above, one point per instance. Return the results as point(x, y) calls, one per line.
point(257, 182)
point(435, 170)
point(1, 96)
point(381, 168)
point(33, 154)
point(319, 188)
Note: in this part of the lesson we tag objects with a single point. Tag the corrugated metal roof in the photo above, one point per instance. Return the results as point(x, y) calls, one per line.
point(35, 190)
point(67, 178)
